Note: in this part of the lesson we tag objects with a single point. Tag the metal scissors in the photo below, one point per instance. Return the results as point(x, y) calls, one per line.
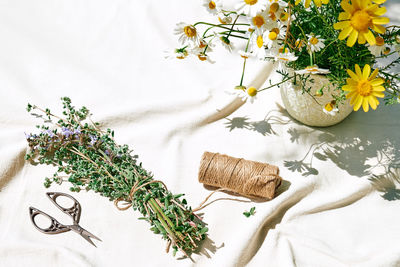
point(56, 228)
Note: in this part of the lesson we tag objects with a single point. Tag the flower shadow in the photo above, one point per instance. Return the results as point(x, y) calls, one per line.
point(360, 145)
point(263, 127)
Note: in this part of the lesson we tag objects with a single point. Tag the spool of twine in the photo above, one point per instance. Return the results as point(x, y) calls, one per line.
point(244, 177)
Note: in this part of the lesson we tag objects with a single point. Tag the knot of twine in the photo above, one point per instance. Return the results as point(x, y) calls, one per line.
point(128, 202)
point(244, 177)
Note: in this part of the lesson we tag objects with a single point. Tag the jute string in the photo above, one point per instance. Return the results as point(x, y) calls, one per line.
point(128, 203)
point(244, 177)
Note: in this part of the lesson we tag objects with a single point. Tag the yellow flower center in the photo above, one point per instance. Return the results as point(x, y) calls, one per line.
point(202, 44)
point(202, 57)
point(275, 30)
point(252, 91)
point(274, 7)
point(361, 20)
point(283, 51)
point(364, 88)
point(211, 5)
point(284, 16)
point(272, 15)
point(272, 35)
point(379, 41)
point(329, 107)
point(258, 21)
point(386, 51)
point(298, 43)
point(260, 41)
point(251, 2)
point(314, 41)
point(311, 69)
point(190, 31)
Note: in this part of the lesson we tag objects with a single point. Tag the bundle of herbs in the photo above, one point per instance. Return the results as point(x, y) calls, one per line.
point(88, 158)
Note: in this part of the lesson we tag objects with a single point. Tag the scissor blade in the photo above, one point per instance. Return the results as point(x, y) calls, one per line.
point(86, 233)
point(88, 239)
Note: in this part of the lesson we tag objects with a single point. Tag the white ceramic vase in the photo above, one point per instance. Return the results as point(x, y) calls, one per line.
point(308, 108)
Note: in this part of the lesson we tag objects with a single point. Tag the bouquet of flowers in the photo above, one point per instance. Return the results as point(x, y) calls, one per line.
point(342, 40)
point(88, 158)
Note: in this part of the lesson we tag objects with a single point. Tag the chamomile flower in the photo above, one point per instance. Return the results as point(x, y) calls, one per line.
point(224, 41)
point(257, 44)
point(250, 7)
point(283, 56)
point(245, 93)
point(259, 21)
point(276, 8)
point(299, 44)
point(251, 94)
point(186, 33)
point(286, 57)
point(244, 54)
point(202, 46)
point(284, 18)
point(312, 70)
point(213, 6)
point(315, 43)
point(274, 35)
point(224, 19)
point(379, 48)
point(204, 57)
point(330, 108)
point(179, 53)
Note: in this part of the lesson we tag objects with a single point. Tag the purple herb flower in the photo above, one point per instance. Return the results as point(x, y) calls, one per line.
point(107, 152)
point(50, 133)
point(66, 132)
point(93, 139)
point(77, 130)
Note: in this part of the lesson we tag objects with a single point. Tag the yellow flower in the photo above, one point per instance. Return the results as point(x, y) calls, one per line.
point(364, 89)
point(359, 17)
point(307, 3)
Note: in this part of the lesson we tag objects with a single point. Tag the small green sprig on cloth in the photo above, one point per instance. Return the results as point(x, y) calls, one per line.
point(88, 158)
point(249, 213)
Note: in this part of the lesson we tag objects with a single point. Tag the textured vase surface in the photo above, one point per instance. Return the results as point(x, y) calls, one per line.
point(307, 107)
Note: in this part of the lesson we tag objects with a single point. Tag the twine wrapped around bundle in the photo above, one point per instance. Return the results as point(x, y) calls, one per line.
point(244, 177)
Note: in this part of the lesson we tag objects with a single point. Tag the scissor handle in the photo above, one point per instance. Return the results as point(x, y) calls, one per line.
point(74, 211)
point(54, 228)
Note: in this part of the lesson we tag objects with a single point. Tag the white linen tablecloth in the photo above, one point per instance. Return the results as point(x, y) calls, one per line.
point(109, 56)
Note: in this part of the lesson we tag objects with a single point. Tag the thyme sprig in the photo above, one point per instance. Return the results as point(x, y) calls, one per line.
point(88, 158)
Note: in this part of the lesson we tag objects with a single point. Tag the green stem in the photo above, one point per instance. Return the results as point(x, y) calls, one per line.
point(233, 25)
point(237, 36)
point(162, 221)
point(245, 59)
point(273, 85)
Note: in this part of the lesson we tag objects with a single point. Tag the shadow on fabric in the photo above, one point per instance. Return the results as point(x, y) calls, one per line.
point(360, 144)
